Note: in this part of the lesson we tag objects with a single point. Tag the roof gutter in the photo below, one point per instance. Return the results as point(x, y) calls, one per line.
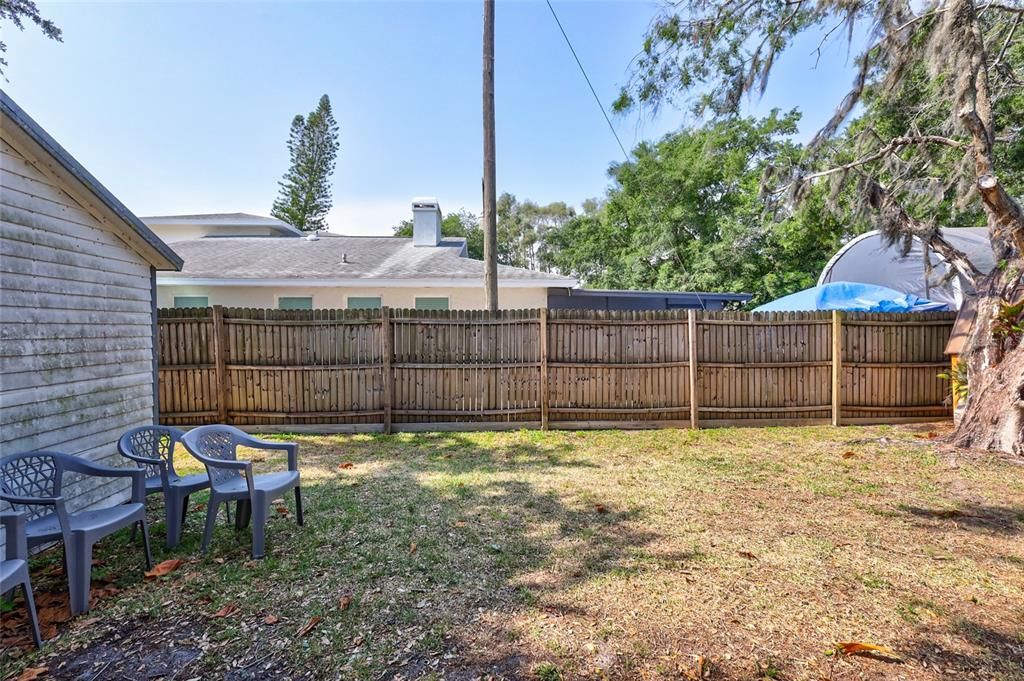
point(362, 283)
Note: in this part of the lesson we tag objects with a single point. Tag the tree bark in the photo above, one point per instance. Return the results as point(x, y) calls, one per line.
point(1005, 218)
point(994, 417)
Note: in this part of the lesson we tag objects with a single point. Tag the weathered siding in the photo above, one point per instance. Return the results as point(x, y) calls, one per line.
point(76, 327)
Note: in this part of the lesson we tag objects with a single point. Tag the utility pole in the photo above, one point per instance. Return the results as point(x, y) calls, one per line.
point(490, 171)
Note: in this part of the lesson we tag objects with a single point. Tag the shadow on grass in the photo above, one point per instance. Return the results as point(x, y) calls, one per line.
point(1001, 655)
point(1000, 519)
point(429, 533)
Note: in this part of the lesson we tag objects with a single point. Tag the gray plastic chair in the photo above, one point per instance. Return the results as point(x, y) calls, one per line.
point(33, 480)
point(14, 567)
point(152, 448)
point(233, 480)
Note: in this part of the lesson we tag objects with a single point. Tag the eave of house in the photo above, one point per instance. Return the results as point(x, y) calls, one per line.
point(171, 280)
point(22, 132)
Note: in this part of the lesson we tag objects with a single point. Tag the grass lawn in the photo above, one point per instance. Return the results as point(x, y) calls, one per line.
point(717, 554)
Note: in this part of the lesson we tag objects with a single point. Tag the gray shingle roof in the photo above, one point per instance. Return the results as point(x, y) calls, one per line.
point(339, 257)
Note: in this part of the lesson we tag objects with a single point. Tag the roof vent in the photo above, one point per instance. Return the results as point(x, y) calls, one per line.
point(313, 237)
point(426, 221)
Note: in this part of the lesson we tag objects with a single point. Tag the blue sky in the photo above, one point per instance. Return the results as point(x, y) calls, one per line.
point(185, 107)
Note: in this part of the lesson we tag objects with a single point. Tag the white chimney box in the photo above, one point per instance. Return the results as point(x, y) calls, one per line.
point(426, 221)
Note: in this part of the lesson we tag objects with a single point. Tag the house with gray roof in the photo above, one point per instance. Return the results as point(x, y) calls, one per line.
point(173, 228)
point(285, 270)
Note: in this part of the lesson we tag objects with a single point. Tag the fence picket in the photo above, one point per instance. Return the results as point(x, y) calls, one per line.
point(390, 369)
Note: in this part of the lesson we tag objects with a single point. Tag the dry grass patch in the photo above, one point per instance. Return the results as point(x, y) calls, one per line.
point(717, 554)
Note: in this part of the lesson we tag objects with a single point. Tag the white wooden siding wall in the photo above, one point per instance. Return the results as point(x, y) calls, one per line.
point(76, 329)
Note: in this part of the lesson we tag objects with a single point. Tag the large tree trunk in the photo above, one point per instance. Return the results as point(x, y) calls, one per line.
point(994, 418)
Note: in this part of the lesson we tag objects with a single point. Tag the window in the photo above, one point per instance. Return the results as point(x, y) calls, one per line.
point(431, 303)
point(364, 302)
point(191, 301)
point(295, 303)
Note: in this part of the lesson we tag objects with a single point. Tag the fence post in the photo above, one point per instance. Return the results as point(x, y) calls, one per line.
point(837, 366)
point(691, 334)
point(220, 362)
point(544, 368)
point(387, 349)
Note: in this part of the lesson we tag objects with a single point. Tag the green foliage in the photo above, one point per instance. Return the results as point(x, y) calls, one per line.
point(523, 227)
point(958, 381)
point(546, 671)
point(899, 149)
point(690, 213)
point(1008, 325)
point(305, 195)
point(16, 12)
point(462, 224)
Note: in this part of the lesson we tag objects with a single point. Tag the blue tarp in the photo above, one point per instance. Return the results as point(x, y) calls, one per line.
point(853, 297)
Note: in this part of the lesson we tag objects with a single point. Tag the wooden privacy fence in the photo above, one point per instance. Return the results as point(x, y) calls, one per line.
point(372, 370)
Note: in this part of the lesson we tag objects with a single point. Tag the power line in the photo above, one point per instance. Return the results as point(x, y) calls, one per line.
point(625, 154)
point(587, 78)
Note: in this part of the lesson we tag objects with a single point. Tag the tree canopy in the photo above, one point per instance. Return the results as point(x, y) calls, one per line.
point(304, 198)
point(689, 213)
point(18, 12)
point(929, 135)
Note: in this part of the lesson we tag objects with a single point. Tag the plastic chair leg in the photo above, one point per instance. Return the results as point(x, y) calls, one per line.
point(173, 514)
point(32, 616)
point(298, 505)
point(79, 574)
point(243, 513)
point(145, 544)
point(259, 527)
point(211, 521)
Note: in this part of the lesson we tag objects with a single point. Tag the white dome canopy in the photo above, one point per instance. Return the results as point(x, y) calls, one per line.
point(867, 259)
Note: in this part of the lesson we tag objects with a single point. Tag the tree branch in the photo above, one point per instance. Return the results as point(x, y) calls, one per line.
point(1013, 9)
point(893, 145)
point(1005, 217)
point(896, 221)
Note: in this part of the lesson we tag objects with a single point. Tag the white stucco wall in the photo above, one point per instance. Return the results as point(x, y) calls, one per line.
point(172, 233)
point(463, 298)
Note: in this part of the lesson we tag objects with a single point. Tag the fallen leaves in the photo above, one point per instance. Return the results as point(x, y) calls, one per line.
point(413, 548)
point(54, 614)
point(849, 455)
point(164, 568)
point(868, 650)
point(32, 673)
point(748, 555)
point(226, 611)
point(701, 669)
point(600, 508)
point(344, 602)
point(281, 510)
point(345, 466)
point(271, 619)
point(309, 625)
